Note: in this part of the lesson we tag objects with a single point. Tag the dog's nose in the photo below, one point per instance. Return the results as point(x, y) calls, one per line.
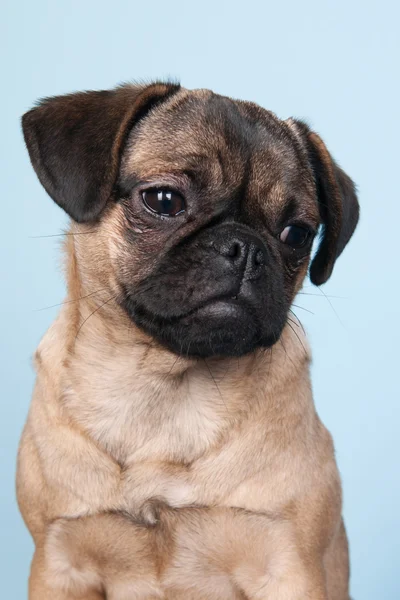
point(245, 253)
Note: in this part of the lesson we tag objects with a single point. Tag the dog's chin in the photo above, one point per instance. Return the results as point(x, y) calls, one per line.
point(220, 328)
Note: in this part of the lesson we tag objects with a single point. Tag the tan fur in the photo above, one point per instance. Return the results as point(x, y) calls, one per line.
point(134, 423)
point(226, 458)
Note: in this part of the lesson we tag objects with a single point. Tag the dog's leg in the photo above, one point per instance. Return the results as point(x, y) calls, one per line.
point(230, 553)
point(103, 556)
point(41, 589)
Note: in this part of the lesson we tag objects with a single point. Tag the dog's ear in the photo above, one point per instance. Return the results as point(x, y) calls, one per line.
point(337, 201)
point(75, 142)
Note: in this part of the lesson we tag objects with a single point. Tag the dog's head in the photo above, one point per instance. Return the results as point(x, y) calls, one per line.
point(202, 209)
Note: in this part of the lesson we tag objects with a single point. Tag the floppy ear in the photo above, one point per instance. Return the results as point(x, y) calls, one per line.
point(337, 201)
point(75, 142)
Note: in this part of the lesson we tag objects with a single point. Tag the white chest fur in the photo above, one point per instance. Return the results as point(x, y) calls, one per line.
point(135, 415)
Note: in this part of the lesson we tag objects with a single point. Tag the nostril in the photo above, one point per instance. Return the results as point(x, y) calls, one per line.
point(259, 258)
point(234, 250)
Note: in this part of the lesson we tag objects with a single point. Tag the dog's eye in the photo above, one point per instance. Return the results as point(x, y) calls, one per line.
point(164, 202)
point(295, 236)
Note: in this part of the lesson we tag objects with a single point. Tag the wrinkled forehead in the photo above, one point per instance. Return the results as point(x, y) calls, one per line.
point(222, 142)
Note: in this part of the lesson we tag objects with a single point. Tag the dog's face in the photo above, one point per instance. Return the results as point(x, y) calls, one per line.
point(209, 205)
point(226, 210)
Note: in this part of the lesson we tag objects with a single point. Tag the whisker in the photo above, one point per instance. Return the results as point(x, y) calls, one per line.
point(216, 385)
point(298, 337)
point(287, 356)
point(332, 307)
point(319, 295)
point(270, 362)
point(33, 237)
point(283, 346)
point(95, 311)
point(298, 320)
point(292, 321)
point(188, 349)
point(166, 376)
point(69, 301)
point(302, 308)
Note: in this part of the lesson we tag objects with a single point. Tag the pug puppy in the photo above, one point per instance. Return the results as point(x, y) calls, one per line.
point(172, 449)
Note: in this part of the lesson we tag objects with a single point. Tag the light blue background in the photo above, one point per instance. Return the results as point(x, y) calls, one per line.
point(334, 63)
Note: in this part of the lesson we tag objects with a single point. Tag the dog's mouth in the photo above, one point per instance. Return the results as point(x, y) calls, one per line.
point(221, 308)
point(224, 326)
point(216, 306)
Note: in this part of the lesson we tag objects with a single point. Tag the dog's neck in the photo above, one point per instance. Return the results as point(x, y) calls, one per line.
point(129, 394)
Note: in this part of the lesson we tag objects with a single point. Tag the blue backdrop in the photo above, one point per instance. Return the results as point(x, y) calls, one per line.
point(333, 63)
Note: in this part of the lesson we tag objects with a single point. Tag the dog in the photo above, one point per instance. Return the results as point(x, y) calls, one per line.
point(172, 449)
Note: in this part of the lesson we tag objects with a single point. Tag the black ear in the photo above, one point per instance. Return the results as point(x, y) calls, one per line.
point(337, 201)
point(75, 142)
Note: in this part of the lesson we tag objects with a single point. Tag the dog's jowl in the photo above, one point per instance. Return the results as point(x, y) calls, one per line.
point(172, 449)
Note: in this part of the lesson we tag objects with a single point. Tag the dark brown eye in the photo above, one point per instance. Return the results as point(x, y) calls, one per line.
point(295, 236)
point(164, 202)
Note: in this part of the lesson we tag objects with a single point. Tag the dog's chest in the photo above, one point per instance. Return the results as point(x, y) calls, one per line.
point(138, 423)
